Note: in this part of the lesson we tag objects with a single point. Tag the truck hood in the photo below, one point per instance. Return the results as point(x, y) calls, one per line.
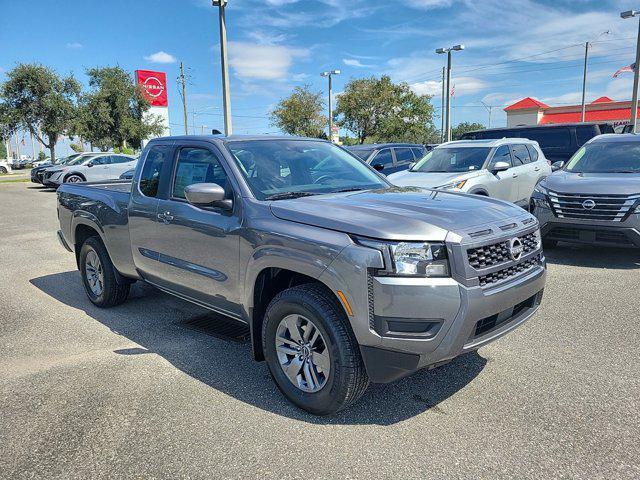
point(593, 183)
point(429, 179)
point(396, 213)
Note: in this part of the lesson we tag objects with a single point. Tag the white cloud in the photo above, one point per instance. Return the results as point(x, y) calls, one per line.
point(265, 62)
point(74, 45)
point(353, 62)
point(428, 4)
point(428, 87)
point(160, 57)
point(279, 3)
point(462, 86)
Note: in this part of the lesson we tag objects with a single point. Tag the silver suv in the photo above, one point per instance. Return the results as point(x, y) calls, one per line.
point(595, 197)
point(507, 169)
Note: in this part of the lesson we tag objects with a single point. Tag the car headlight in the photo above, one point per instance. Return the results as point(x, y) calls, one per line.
point(412, 259)
point(540, 189)
point(453, 185)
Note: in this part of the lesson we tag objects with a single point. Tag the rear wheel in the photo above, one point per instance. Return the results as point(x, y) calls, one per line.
point(3, 170)
point(311, 351)
point(99, 275)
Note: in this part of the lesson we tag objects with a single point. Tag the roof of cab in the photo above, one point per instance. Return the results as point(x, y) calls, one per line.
point(487, 142)
point(232, 138)
point(616, 137)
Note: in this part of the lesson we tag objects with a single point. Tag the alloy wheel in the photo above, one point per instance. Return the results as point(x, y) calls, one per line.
point(302, 353)
point(93, 273)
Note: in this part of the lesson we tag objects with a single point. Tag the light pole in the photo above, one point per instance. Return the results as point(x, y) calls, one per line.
point(226, 97)
point(584, 74)
point(328, 74)
point(444, 73)
point(634, 101)
point(488, 108)
point(447, 135)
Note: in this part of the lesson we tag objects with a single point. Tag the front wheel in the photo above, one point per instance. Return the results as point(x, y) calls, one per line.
point(3, 170)
point(311, 351)
point(73, 179)
point(99, 275)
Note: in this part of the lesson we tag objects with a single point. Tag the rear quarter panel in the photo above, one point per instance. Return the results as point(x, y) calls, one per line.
point(104, 208)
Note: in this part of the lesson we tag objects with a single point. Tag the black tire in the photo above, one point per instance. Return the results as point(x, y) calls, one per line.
point(113, 293)
point(3, 170)
point(549, 244)
point(348, 379)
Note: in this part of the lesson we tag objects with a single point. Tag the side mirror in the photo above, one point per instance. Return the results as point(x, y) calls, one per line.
point(378, 166)
point(90, 164)
point(500, 167)
point(555, 166)
point(207, 195)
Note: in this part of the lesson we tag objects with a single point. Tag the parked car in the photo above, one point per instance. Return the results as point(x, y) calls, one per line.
point(4, 167)
point(90, 168)
point(37, 173)
point(595, 197)
point(40, 163)
point(341, 277)
point(507, 169)
point(389, 157)
point(128, 175)
point(558, 142)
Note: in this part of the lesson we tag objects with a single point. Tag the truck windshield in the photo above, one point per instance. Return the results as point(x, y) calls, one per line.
point(606, 157)
point(453, 159)
point(279, 169)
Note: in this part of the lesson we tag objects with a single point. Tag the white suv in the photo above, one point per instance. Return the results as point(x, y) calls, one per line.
point(90, 168)
point(507, 169)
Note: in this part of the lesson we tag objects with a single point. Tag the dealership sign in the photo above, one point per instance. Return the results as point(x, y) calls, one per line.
point(153, 86)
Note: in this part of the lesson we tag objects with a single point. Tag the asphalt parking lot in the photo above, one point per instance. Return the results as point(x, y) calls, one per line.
point(132, 392)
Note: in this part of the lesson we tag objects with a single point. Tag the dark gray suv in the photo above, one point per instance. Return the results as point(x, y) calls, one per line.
point(595, 197)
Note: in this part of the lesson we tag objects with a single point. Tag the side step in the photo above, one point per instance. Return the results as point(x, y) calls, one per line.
point(219, 326)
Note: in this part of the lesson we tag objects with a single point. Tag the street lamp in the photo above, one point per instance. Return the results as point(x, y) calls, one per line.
point(328, 74)
point(226, 97)
point(634, 101)
point(447, 123)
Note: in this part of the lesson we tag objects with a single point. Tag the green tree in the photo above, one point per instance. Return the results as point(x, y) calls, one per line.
point(42, 155)
point(3, 149)
point(76, 147)
point(464, 127)
point(301, 113)
point(376, 109)
point(36, 99)
point(113, 111)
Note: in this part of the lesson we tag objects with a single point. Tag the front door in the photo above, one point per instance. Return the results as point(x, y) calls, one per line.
point(506, 188)
point(199, 247)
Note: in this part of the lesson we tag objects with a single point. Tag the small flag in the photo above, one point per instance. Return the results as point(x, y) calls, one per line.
point(23, 143)
point(453, 90)
point(628, 68)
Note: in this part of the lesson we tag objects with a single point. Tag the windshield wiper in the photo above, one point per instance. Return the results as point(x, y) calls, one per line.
point(352, 189)
point(288, 195)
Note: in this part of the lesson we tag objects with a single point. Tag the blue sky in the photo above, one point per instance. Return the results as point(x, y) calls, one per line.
point(278, 44)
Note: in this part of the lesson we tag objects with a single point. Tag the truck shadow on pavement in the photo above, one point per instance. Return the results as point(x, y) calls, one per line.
point(594, 257)
point(155, 322)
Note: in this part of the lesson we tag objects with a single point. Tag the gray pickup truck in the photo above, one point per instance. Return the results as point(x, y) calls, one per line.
point(341, 277)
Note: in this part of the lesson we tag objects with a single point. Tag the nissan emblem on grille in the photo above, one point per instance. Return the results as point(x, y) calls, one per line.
point(588, 204)
point(515, 248)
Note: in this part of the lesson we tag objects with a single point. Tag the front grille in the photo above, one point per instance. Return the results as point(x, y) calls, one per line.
point(511, 271)
point(497, 253)
point(492, 322)
point(614, 208)
point(590, 235)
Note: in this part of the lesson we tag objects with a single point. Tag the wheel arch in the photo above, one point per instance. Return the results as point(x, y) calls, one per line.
point(78, 174)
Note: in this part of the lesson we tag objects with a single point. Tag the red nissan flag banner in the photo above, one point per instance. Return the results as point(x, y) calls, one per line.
point(154, 87)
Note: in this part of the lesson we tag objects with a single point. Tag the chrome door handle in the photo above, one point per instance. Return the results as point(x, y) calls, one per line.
point(537, 169)
point(165, 217)
point(515, 175)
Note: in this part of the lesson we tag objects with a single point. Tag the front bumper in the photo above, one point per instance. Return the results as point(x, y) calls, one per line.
point(406, 324)
point(589, 232)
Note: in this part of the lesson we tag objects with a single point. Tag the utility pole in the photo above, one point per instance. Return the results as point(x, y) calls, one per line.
point(183, 82)
point(584, 81)
point(447, 127)
point(328, 74)
point(33, 148)
point(444, 72)
point(17, 146)
point(226, 97)
point(201, 129)
point(488, 108)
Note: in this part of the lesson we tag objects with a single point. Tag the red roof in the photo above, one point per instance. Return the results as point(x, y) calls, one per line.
point(528, 102)
point(602, 100)
point(590, 116)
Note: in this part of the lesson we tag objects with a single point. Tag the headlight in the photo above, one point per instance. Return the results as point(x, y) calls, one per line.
point(453, 185)
point(540, 189)
point(415, 259)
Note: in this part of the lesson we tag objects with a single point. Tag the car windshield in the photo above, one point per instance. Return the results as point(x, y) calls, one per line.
point(278, 169)
point(79, 160)
point(452, 159)
point(606, 157)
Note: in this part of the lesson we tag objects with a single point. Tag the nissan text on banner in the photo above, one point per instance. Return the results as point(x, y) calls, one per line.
point(154, 89)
